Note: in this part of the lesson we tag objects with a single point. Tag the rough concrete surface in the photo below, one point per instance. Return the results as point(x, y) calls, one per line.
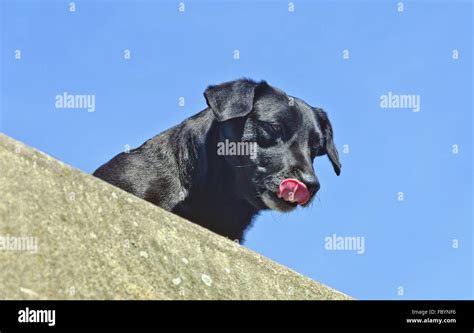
point(95, 241)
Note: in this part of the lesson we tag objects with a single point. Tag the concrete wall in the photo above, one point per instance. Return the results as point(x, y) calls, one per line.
point(95, 241)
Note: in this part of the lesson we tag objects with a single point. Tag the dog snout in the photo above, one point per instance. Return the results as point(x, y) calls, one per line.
point(311, 182)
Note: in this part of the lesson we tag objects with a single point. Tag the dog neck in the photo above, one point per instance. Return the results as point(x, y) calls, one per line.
point(202, 173)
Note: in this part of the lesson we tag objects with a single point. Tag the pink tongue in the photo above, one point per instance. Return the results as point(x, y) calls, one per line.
point(293, 190)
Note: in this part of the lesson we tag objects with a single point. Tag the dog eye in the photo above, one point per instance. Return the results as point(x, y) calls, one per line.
point(276, 128)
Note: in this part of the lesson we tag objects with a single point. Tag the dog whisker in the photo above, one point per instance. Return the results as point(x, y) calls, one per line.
point(273, 216)
point(319, 200)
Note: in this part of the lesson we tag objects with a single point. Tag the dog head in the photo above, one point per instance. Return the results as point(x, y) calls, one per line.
point(271, 140)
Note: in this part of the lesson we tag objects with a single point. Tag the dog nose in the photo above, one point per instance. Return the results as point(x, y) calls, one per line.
point(311, 182)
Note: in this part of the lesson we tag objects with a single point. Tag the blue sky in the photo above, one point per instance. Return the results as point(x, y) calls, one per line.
point(176, 54)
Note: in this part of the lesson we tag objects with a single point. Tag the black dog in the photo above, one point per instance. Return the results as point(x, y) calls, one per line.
point(188, 170)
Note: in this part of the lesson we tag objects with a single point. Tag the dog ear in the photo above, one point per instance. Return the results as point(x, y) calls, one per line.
point(231, 99)
point(330, 147)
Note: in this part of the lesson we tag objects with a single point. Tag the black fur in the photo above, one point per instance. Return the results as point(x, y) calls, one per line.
point(181, 171)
